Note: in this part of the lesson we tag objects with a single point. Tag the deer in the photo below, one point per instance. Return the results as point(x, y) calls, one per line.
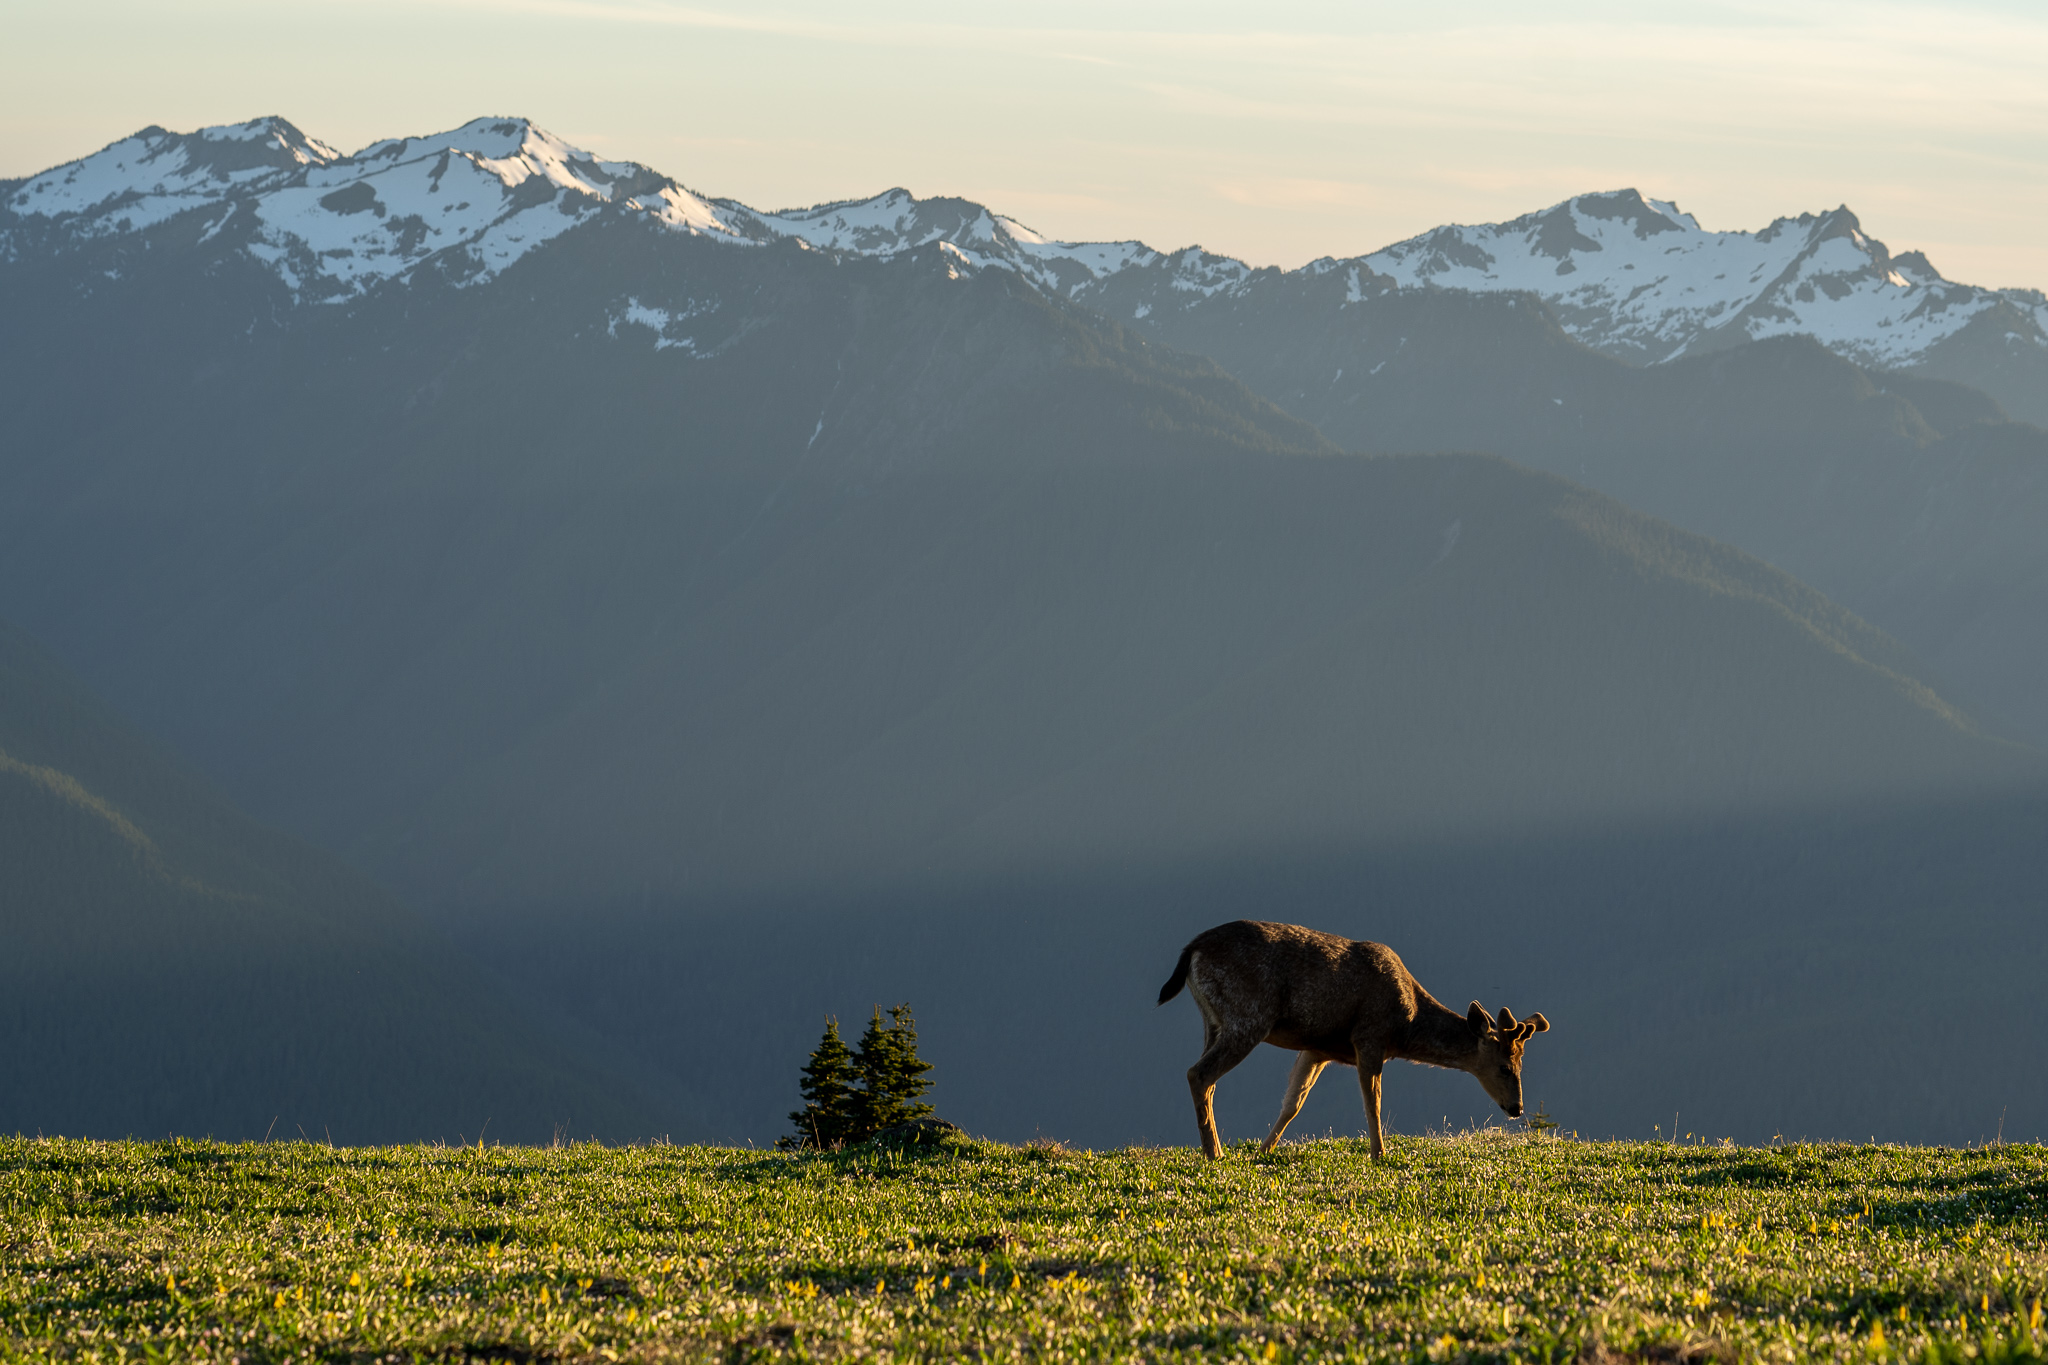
point(1331, 999)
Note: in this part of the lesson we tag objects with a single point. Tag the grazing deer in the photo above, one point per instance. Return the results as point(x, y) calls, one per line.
point(1331, 1000)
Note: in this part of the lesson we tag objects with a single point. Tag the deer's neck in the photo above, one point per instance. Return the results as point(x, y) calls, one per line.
point(1441, 1037)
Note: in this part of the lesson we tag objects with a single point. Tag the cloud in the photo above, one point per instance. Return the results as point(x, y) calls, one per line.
point(1708, 70)
point(1297, 193)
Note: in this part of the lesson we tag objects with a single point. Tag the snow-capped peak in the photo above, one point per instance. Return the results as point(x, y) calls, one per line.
point(150, 176)
point(515, 151)
point(474, 199)
point(897, 221)
point(1641, 279)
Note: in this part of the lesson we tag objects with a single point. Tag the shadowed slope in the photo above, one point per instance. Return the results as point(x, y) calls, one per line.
point(1909, 499)
point(172, 966)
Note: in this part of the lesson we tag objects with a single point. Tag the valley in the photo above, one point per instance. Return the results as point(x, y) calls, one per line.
point(694, 620)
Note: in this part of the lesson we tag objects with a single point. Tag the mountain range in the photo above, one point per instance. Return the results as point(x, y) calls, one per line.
point(1631, 277)
point(712, 618)
point(1487, 338)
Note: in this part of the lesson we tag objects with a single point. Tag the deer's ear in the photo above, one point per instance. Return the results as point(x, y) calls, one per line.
point(1536, 1023)
point(1479, 1019)
point(1507, 1020)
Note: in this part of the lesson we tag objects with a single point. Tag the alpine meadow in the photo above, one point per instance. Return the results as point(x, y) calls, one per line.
point(500, 648)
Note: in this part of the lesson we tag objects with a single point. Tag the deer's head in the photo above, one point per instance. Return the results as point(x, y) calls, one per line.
point(1499, 1065)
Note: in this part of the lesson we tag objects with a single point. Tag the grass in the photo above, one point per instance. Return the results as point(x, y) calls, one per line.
point(1483, 1247)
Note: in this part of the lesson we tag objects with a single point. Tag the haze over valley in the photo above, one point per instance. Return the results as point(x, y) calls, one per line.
point(472, 579)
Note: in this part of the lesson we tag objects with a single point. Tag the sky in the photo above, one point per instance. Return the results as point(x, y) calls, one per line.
point(1275, 132)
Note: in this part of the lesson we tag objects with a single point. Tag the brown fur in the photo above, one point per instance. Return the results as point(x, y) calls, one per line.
point(1331, 1000)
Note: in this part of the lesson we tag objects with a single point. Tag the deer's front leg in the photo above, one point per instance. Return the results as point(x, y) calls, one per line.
point(1301, 1080)
point(1369, 1063)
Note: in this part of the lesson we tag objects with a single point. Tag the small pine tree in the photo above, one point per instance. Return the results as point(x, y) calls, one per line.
point(892, 1074)
point(831, 1111)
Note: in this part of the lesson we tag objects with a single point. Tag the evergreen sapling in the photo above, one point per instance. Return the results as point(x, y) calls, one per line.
point(831, 1102)
point(892, 1074)
point(851, 1095)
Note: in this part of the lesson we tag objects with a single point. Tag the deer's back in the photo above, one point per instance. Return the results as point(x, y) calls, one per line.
point(1297, 987)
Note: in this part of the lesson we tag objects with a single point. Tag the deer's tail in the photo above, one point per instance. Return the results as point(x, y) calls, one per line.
point(1179, 977)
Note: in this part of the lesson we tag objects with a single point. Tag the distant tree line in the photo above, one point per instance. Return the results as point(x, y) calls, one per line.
point(850, 1094)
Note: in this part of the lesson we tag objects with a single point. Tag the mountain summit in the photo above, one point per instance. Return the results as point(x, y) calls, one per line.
point(1643, 281)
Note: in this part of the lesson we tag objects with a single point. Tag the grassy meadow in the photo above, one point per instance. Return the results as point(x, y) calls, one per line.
point(1482, 1247)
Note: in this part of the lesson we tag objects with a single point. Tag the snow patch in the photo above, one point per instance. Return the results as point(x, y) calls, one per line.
point(659, 321)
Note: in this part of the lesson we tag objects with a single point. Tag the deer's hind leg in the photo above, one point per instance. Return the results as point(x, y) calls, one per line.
point(1301, 1080)
point(1225, 1050)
